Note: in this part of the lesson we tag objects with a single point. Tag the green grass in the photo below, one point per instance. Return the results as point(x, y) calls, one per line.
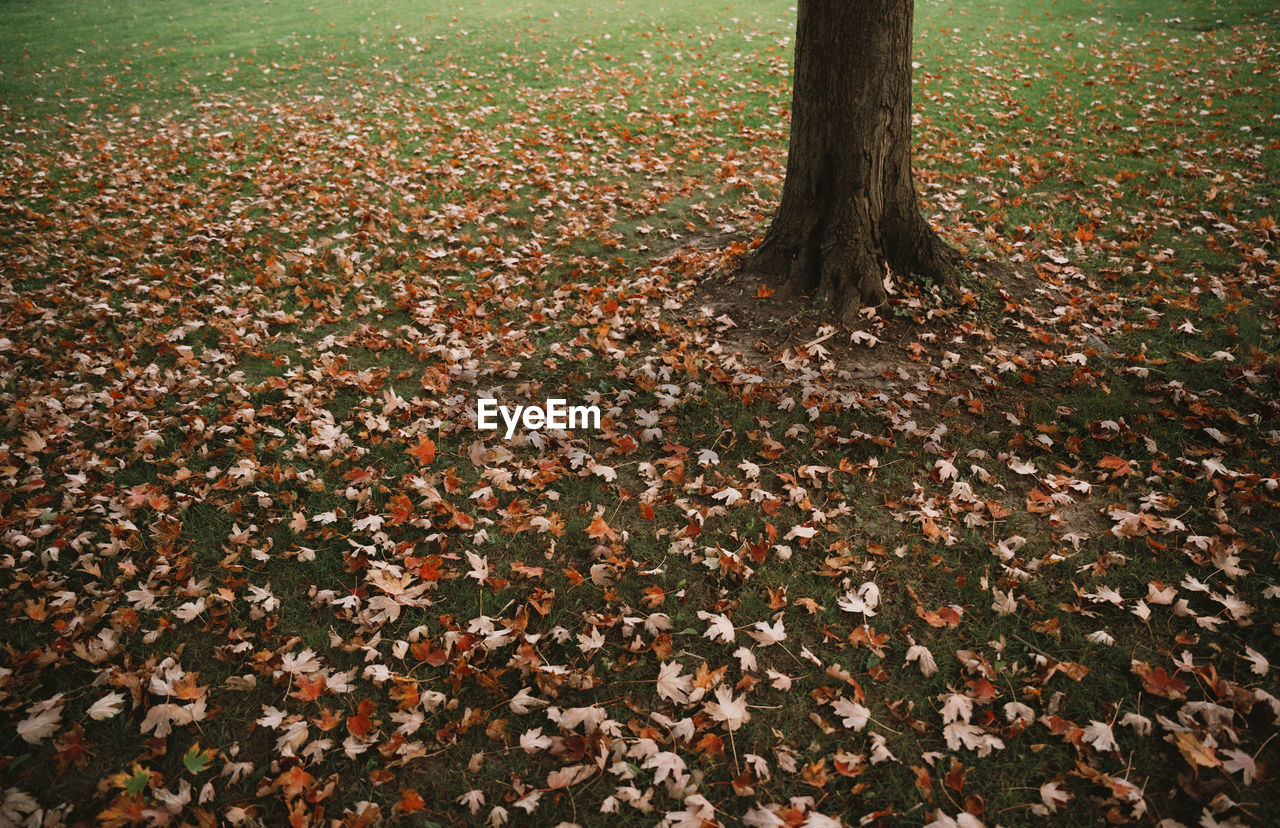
point(328, 203)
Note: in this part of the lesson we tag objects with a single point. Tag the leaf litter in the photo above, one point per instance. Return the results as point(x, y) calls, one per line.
point(260, 564)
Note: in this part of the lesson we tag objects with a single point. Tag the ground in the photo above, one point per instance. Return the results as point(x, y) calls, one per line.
point(1004, 556)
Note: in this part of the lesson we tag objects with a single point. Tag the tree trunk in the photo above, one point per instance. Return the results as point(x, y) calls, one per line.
point(849, 215)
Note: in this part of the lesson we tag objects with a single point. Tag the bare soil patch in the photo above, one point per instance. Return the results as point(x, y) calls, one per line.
point(769, 327)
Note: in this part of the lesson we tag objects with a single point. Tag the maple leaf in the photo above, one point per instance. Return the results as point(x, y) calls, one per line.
point(1197, 753)
point(424, 451)
point(360, 724)
point(923, 658)
point(957, 707)
point(1258, 663)
point(1006, 603)
point(196, 761)
point(125, 809)
point(300, 663)
point(106, 707)
point(664, 764)
point(570, 775)
point(1158, 682)
point(1141, 724)
point(864, 601)
point(43, 722)
point(853, 715)
point(605, 473)
point(411, 802)
point(944, 470)
point(1053, 796)
point(479, 567)
point(720, 628)
point(600, 529)
point(766, 634)
point(948, 616)
point(1022, 467)
point(1100, 736)
point(760, 817)
point(369, 523)
point(589, 643)
point(532, 741)
point(671, 685)
point(310, 688)
point(810, 606)
point(732, 712)
point(779, 681)
point(190, 610)
point(524, 702)
point(472, 801)
point(729, 495)
point(117, 450)
point(803, 532)
point(71, 749)
point(972, 737)
point(1238, 761)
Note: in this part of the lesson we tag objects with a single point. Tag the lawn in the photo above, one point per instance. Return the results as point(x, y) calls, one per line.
point(1001, 558)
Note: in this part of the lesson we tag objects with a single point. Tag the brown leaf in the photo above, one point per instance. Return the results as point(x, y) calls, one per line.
point(1194, 751)
point(815, 773)
point(1158, 682)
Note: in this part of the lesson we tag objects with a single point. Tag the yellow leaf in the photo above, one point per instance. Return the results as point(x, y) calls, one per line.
point(1195, 752)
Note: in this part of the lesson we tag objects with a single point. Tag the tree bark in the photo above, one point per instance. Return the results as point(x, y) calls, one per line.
point(849, 215)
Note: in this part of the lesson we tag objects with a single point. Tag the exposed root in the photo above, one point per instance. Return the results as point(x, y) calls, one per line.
point(852, 276)
point(928, 257)
point(847, 268)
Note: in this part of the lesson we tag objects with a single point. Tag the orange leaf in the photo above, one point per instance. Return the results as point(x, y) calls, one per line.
point(410, 802)
point(945, 617)
point(123, 810)
point(361, 724)
point(405, 694)
point(1159, 682)
point(981, 689)
point(424, 451)
point(327, 720)
point(293, 781)
point(924, 782)
point(310, 688)
point(401, 508)
point(815, 773)
point(600, 529)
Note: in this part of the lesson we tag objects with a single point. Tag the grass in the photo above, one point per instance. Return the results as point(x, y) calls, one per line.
point(329, 203)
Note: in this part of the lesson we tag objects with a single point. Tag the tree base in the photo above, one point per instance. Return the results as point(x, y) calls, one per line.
point(850, 269)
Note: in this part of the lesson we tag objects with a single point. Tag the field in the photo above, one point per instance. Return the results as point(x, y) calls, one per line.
point(1003, 557)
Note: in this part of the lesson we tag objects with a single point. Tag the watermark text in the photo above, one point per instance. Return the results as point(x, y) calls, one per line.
point(556, 414)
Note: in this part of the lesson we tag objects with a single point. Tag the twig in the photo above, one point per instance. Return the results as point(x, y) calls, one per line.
point(1032, 646)
point(788, 652)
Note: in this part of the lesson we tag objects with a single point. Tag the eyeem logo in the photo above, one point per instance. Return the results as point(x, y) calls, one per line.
point(557, 414)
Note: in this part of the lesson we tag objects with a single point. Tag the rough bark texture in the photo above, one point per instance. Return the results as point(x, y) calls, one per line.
point(849, 206)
